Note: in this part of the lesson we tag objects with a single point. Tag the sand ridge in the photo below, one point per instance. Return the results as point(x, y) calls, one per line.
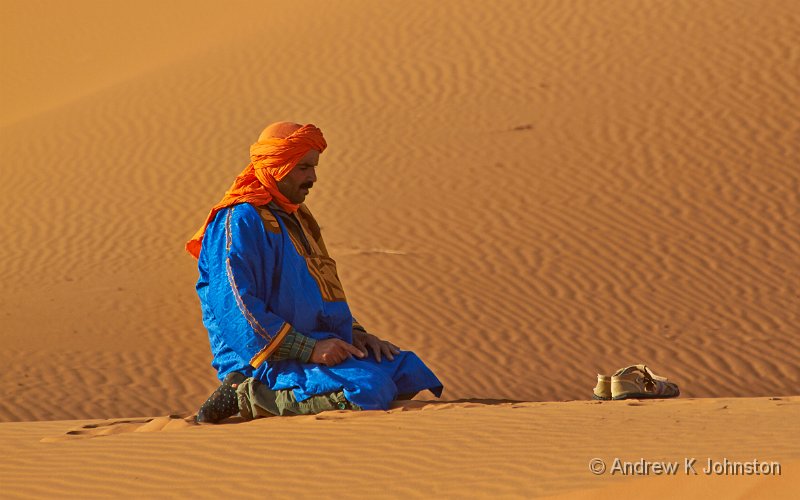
point(509, 449)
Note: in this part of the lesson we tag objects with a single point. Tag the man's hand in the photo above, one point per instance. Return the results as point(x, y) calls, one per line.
point(362, 340)
point(331, 352)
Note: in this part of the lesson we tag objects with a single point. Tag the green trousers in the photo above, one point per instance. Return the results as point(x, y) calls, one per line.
point(257, 400)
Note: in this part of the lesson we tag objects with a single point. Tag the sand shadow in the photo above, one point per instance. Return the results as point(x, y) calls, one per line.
point(125, 425)
point(170, 423)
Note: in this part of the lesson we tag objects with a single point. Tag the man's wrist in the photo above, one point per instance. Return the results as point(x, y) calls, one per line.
point(295, 346)
point(305, 349)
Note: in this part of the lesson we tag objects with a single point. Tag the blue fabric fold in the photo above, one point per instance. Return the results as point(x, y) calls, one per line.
point(253, 282)
point(370, 384)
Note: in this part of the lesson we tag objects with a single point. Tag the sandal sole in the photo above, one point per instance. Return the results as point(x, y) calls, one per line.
point(640, 395)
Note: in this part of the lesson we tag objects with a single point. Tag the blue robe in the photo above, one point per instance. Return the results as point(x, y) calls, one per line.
point(257, 281)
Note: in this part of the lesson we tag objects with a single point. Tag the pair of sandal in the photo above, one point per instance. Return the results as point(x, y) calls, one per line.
point(634, 382)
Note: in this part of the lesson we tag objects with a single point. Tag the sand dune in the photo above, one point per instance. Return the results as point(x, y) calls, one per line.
point(507, 449)
point(55, 53)
point(524, 193)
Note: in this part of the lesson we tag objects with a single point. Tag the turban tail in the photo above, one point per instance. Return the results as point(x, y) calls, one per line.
point(270, 160)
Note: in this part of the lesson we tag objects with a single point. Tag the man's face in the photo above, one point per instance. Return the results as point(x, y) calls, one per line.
point(299, 180)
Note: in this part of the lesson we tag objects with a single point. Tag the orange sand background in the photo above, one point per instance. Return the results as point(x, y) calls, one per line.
point(524, 193)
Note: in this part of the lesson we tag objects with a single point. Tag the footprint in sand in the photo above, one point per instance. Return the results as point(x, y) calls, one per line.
point(372, 251)
point(123, 426)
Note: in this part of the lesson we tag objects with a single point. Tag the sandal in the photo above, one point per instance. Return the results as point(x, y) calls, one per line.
point(638, 382)
point(602, 390)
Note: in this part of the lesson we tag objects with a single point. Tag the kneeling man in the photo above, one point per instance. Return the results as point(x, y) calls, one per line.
point(283, 338)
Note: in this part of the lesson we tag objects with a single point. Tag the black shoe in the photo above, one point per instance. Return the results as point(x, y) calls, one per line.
point(223, 403)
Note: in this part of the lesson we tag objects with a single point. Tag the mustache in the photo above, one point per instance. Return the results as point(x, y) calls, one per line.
point(306, 185)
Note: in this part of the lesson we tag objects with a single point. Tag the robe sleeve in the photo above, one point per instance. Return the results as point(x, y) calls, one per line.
point(241, 261)
point(294, 346)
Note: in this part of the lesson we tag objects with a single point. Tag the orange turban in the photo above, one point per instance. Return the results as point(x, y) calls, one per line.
point(271, 159)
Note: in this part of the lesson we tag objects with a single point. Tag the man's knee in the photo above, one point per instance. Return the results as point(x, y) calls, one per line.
point(257, 400)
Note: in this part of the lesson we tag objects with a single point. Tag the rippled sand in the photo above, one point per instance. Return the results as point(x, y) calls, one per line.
point(524, 193)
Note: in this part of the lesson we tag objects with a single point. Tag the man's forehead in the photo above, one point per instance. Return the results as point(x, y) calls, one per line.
point(311, 158)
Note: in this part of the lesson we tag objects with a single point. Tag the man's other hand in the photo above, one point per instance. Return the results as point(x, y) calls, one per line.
point(331, 352)
point(379, 347)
